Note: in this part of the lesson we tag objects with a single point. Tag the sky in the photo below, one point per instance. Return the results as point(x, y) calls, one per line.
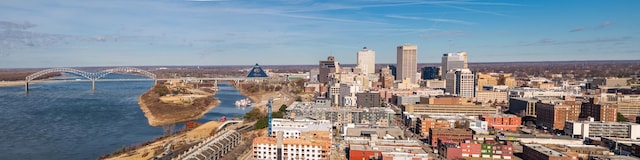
point(70, 33)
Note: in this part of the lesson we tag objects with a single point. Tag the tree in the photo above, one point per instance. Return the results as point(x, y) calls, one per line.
point(621, 118)
point(262, 123)
point(283, 108)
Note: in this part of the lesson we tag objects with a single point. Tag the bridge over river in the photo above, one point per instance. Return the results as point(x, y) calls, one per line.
point(98, 76)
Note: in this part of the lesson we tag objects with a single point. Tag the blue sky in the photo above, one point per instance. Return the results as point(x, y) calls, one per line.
point(69, 33)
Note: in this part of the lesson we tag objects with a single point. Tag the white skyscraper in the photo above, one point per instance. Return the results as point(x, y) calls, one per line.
point(461, 82)
point(454, 61)
point(367, 60)
point(407, 64)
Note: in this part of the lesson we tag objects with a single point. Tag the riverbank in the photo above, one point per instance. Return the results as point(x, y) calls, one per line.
point(155, 148)
point(161, 109)
point(260, 97)
point(11, 83)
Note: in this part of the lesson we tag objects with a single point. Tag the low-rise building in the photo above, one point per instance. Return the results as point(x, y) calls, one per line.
point(374, 148)
point(471, 149)
point(506, 122)
point(469, 110)
point(295, 139)
point(539, 152)
point(339, 116)
point(583, 129)
point(523, 106)
point(454, 134)
point(425, 123)
point(488, 97)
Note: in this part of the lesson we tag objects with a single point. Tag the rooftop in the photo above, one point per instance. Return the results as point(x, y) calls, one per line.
point(545, 150)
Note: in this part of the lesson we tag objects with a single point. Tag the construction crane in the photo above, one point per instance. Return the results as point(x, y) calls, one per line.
point(269, 110)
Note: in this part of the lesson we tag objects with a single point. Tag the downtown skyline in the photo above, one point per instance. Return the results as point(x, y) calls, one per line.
point(218, 32)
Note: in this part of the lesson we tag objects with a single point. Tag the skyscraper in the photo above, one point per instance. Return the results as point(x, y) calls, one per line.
point(367, 61)
point(407, 64)
point(461, 82)
point(430, 73)
point(453, 61)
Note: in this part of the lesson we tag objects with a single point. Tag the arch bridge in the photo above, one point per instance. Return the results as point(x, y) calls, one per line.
point(93, 76)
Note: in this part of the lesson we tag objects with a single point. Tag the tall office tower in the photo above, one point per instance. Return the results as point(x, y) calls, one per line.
point(453, 61)
point(461, 82)
point(429, 73)
point(407, 62)
point(326, 67)
point(367, 60)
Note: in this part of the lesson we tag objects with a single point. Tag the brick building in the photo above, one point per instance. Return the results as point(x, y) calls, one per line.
point(425, 123)
point(600, 112)
point(553, 115)
point(502, 121)
point(453, 134)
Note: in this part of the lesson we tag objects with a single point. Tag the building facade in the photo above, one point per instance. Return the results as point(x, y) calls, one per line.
point(461, 82)
point(584, 129)
point(407, 56)
point(367, 60)
point(454, 61)
point(326, 67)
point(553, 115)
point(454, 134)
point(506, 122)
point(368, 99)
point(429, 73)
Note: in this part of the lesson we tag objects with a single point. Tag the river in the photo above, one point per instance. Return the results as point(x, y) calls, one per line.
point(66, 120)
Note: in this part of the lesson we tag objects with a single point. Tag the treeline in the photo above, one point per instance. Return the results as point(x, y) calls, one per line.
point(16, 75)
point(263, 118)
point(586, 69)
point(254, 87)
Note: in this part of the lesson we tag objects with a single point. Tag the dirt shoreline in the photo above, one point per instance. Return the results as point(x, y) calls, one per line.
point(160, 120)
point(159, 113)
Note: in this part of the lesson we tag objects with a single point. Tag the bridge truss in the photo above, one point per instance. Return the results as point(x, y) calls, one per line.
point(93, 76)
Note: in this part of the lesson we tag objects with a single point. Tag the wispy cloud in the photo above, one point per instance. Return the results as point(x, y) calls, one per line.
point(442, 34)
point(605, 24)
point(431, 19)
point(577, 29)
point(549, 41)
point(15, 25)
point(475, 10)
point(450, 21)
point(601, 26)
point(404, 17)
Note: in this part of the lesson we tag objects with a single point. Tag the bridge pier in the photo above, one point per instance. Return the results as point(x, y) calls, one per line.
point(93, 85)
point(26, 87)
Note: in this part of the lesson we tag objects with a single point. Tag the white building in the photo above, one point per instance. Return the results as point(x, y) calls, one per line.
point(367, 61)
point(300, 139)
point(454, 61)
point(407, 64)
point(293, 128)
point(535, 92)
point(461, 82)
point(583, 129)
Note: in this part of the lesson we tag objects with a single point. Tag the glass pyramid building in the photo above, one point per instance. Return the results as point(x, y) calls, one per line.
point(256, 71)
